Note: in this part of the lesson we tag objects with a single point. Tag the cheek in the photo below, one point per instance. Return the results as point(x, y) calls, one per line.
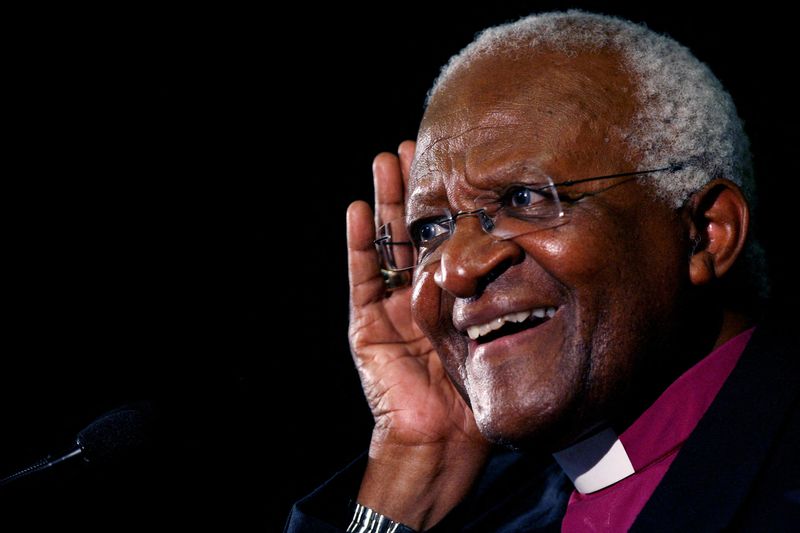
point(620, 276)
point(431, 310)
point(572, 256)
point(608, 276)
point(425, 302)
point(603, 252)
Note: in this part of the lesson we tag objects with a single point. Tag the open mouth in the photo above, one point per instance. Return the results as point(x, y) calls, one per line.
point(510, 324)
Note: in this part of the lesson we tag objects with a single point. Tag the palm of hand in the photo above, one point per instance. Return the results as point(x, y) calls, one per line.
point(407, 388)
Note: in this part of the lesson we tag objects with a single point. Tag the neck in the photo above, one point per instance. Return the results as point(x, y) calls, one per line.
point(733, 323)
point(671, 359)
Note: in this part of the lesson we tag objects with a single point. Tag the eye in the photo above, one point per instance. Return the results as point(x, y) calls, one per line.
point(429, 231)
point(523, 197)
point(425, 232)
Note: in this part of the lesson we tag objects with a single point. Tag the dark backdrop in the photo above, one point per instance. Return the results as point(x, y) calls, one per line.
point(176, 186)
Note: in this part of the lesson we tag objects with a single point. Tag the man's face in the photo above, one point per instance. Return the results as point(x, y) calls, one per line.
point(611, 272)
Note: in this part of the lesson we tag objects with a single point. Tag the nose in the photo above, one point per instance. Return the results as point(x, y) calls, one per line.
point(471, 259)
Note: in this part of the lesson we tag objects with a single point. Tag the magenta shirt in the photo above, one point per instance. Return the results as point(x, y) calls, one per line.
point(653, 441)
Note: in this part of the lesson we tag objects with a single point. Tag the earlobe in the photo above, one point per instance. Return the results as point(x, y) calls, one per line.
point(701, 268)
point(720, 219)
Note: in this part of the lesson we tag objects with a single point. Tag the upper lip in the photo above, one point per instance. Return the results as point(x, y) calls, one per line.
point(475, 317)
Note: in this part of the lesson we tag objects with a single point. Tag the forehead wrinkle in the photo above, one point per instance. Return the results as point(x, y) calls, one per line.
point(505, 173)
point(479, 127)
point(423, 188)
point(466, 147)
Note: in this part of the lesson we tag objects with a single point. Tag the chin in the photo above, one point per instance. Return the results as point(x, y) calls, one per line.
point(534, 426)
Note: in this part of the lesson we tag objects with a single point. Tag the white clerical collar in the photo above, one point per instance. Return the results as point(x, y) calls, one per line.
point(596, 462)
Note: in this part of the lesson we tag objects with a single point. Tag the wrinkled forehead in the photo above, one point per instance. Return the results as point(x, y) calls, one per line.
point(546, 110)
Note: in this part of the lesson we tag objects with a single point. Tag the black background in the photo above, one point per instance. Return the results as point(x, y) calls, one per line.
point(175, 189)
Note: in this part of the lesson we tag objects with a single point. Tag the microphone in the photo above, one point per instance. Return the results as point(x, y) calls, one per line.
point(113, 435)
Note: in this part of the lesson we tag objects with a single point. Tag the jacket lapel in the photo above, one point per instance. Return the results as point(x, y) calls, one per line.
point(714, 470)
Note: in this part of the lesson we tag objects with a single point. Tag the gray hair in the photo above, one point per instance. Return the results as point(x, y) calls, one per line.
point(685, 115)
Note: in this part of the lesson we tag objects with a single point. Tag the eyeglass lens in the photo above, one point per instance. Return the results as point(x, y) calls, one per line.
point(520, 210)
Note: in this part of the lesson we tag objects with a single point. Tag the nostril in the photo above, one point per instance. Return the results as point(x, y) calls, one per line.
point(493, 274)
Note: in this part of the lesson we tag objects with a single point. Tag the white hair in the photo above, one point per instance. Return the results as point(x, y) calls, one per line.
point(684, 117)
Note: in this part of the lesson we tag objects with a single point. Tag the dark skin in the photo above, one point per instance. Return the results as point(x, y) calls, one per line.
point(628, 275)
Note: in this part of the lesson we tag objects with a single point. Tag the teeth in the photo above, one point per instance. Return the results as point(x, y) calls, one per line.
point(522, 316)
point(482, 329)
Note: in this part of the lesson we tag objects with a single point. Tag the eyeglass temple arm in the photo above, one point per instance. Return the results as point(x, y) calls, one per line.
point(671, 168)
point(385, 239)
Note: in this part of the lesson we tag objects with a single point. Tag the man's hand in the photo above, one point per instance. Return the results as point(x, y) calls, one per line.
point(426, 449)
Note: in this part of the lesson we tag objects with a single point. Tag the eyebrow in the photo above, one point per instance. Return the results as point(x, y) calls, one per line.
point(505, 172)
point(426, 198)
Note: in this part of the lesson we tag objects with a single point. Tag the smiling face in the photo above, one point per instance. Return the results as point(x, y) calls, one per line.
point(583, 304)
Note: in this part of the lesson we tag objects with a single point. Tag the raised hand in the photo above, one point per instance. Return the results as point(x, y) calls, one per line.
point(425, 434)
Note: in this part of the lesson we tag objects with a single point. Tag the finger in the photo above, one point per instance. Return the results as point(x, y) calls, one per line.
point(366, 282)
point(389, 190)
point(406, 153)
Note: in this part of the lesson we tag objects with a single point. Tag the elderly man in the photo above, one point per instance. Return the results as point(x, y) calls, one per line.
point(564, 269)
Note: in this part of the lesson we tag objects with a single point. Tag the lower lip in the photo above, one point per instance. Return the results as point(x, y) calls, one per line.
point(510, 345)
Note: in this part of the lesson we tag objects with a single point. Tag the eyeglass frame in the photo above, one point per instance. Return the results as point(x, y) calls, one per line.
point(396, 278)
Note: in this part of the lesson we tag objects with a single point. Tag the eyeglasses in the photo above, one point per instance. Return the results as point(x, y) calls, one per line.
point(524, 207)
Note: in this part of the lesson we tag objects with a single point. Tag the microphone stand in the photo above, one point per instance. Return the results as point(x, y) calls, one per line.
point(44, 464)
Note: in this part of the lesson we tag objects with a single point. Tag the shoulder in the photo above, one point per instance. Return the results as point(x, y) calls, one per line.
point(739, 466)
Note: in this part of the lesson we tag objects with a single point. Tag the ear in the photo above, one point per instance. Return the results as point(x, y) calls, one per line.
point(719, 220)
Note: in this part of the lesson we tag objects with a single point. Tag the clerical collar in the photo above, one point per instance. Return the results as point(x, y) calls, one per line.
point(596, 462)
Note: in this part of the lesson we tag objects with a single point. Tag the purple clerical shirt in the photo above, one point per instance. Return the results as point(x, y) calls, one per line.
point(653, 441)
